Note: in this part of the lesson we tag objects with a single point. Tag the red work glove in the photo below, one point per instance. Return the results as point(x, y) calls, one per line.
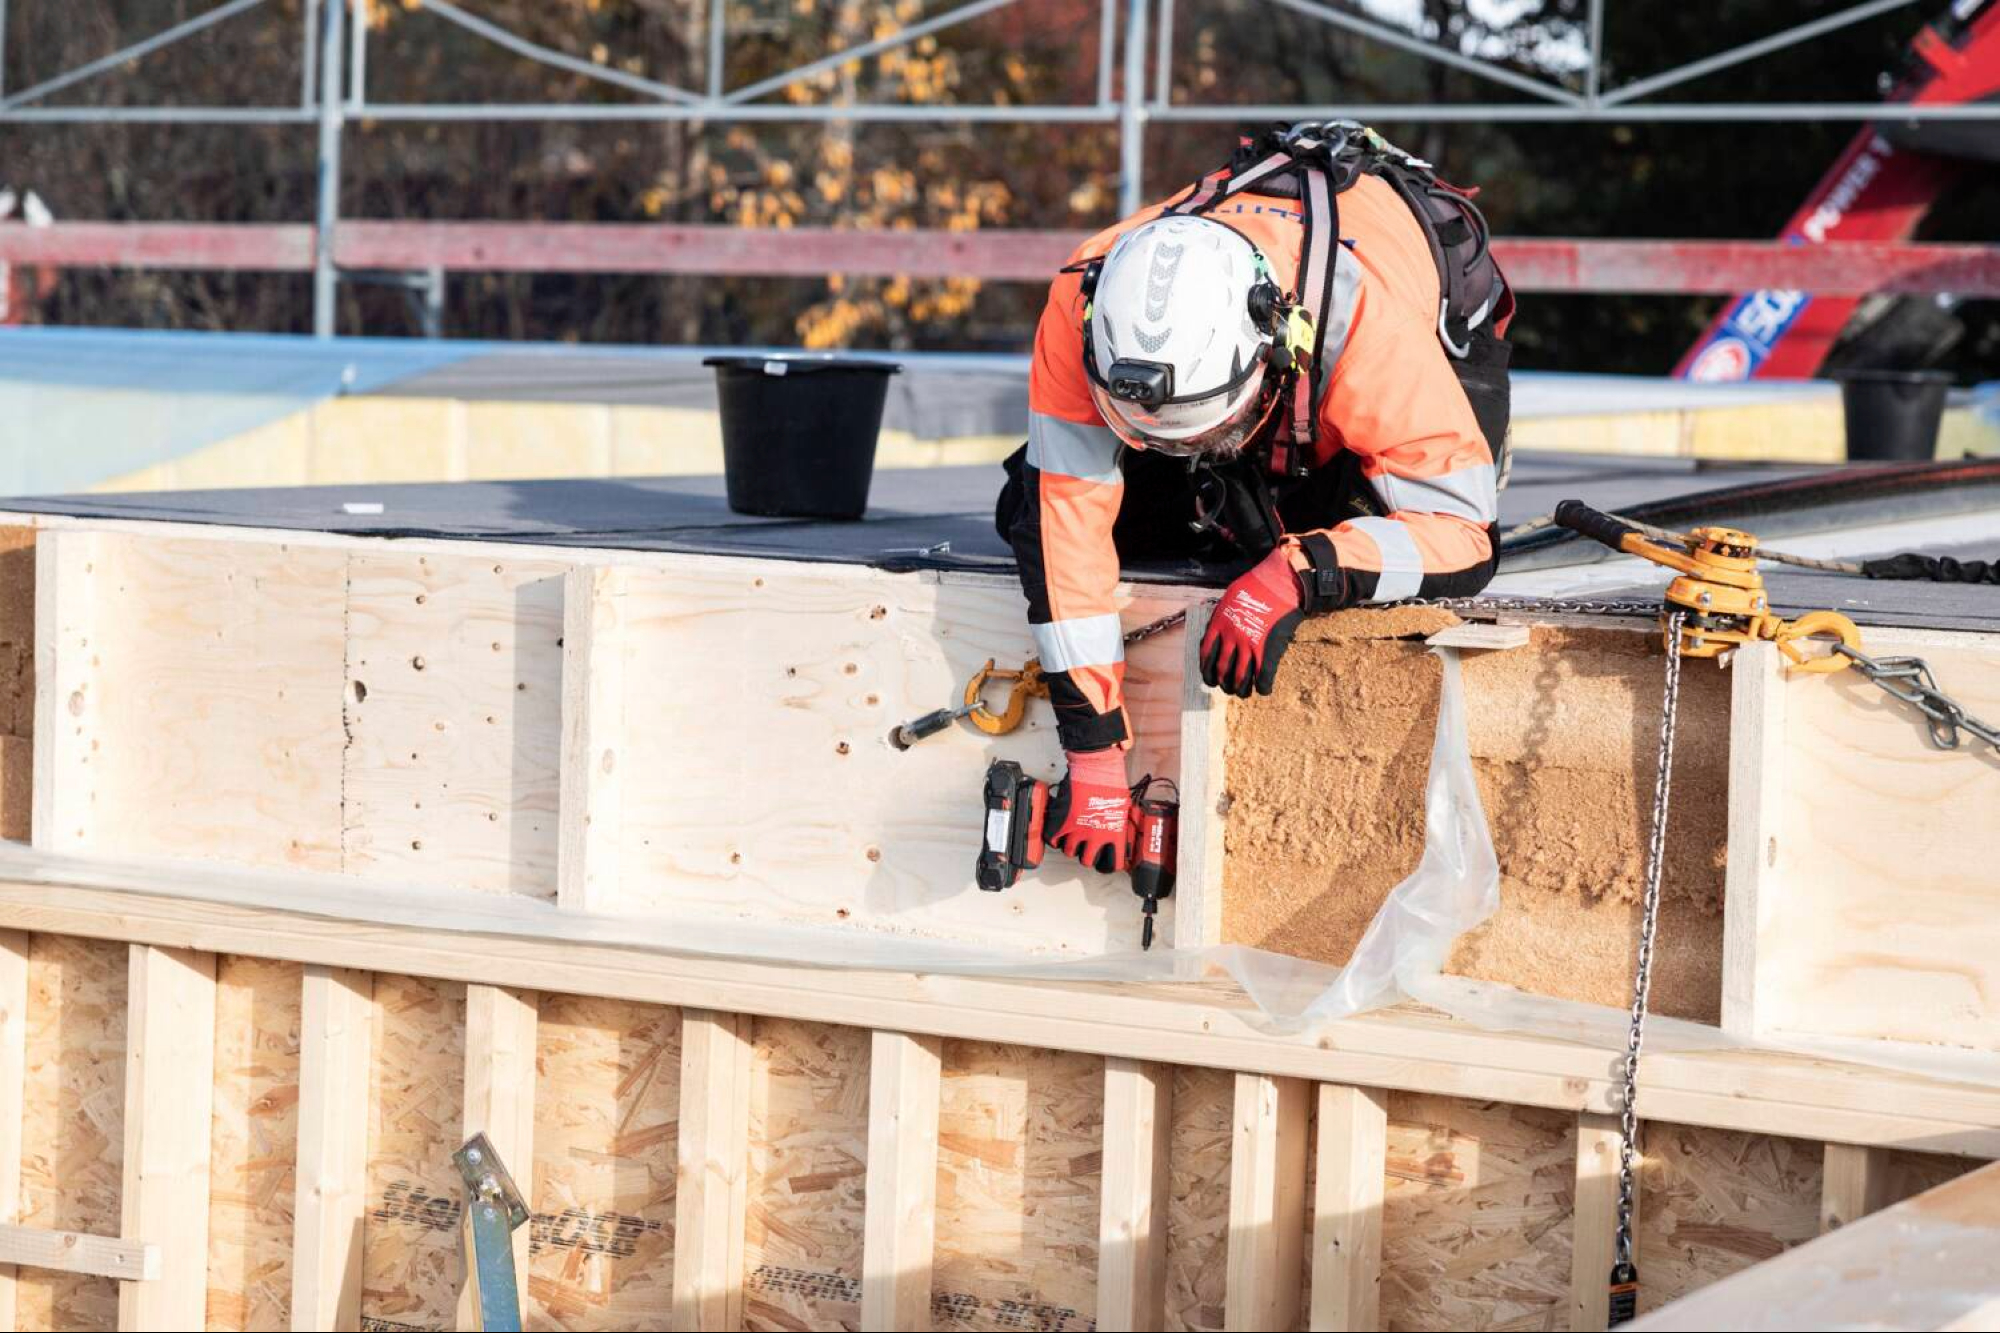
point(1252, 627)
point(1090, 811)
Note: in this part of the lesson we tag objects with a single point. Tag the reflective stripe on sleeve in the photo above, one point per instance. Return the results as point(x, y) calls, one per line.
point(1402, 568)
point(1086, 641)
point(1072, 449)
point(1466, 492)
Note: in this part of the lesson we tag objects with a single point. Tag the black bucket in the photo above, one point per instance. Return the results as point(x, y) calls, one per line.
point(798, 432)
point(1893, 415)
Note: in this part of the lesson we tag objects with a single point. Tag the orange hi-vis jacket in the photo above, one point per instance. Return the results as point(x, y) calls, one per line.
point(1391, 397)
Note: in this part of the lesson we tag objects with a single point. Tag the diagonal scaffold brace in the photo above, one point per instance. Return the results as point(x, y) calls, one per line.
point(494, 1208)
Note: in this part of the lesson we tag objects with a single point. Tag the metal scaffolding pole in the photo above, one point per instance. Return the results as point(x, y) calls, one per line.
point(1132, 113)
point(326, 282)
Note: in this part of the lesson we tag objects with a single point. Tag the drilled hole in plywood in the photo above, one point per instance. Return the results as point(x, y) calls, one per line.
point(361, 691)
point(417, 663)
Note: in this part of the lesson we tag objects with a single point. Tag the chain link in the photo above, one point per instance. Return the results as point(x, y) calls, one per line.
point(1539, 605)
point(1649, 920)
point(1909, 679)
point(1160, 626)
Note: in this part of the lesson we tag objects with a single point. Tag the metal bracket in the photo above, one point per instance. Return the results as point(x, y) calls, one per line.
point(493, 1209)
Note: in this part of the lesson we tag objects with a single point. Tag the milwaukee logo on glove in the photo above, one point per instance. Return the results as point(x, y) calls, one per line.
point(1248, 614)
point(1104, 812)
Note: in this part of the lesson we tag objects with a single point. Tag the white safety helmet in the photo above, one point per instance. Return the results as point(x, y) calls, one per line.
point(1178, 333)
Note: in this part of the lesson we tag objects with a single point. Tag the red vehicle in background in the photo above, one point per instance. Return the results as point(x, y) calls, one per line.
point(1878, 190)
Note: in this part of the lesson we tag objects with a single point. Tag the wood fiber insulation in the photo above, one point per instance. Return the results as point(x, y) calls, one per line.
point(73, 1138)
point(17, 681)
point(253, 1148)
point(1324, 799)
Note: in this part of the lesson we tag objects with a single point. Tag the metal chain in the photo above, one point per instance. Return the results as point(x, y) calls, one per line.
point(1541, 605)
point(1649, 920)
point(1160, 626)
point(1909, 679)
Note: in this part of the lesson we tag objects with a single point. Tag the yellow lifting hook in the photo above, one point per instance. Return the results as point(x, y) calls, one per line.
point(1030, 684)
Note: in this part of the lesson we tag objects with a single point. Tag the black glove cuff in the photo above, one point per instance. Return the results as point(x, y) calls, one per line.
point(1082, 731)
point(1323, 583)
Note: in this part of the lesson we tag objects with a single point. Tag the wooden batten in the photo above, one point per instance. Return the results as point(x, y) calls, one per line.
point(593, 739)
point(1197, 901)
point(1757, 791)
point(336, 1054)
point(500, 1102)
point(1854, 1182)
point(13, 1095)
point(1267, 1201)
point(1350, 1164)
point(905, 1073)
point(169, 1095)
point(1133, 1211)
point(713, 1180)
point(1594, 1248)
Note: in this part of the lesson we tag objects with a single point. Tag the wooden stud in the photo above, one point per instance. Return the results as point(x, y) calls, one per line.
point(905, 1078)
point(1474, 634)
point(500, 1028)
point(1347, 1208)
point(75, 1252)
point(1756, 793)
point(1267, 1202)
point(66, 696)
point(1854, 1183)
point(1594, 1247)
point(336, 1030)
point(1132, 1211)
point(169, 1102)
point(1197, 899)
point(13, 1093)
point(712, 1179)
point(593, 736)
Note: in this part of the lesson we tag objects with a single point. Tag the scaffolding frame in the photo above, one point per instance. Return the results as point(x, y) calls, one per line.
point(334, 39)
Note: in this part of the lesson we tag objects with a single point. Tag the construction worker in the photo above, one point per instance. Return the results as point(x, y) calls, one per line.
point(1215, 378)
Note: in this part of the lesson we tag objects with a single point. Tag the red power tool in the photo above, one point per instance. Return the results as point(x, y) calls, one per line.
point(1016, 812)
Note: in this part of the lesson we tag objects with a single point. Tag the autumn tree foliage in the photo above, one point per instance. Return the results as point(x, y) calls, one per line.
point(925, 173)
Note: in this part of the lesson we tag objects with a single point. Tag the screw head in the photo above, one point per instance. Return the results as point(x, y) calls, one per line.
point(474, 1155)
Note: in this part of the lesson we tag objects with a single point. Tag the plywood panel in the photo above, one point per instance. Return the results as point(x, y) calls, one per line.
point(1714, 1201)
point(605, 1124)
point(254, 1146)
point(453, 710)
point(1020, 1134)
point(1892, 842)
point(809, 1163)
point(1476, 1215)
point(787, 679)
point(410, 1237)
point(1198, 1214)
point(212, 698)
point(73, 1140)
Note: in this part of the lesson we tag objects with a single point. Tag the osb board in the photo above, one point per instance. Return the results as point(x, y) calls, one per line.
point(1476, 1215)
point(607, 1117)
point(1198, 1209)
point(787, 679)
point(410, 1235)
point(73, 1135)
point(1714, 1201)
point(1020, 1158)
point(17, 787)
point(1325, 783)
point(209, 703)
point(253, 1148)
point(1878, 879)
point(1913, 1173)
point(453, 711)
point(808, 1167)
